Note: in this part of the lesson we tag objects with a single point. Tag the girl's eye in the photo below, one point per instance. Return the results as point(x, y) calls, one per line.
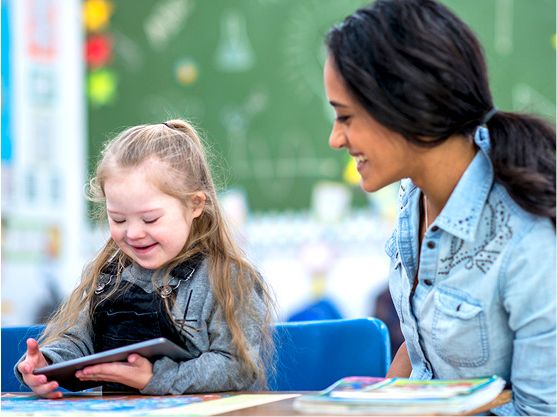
point(118, 221)
point(342, 119)
point(150, 221)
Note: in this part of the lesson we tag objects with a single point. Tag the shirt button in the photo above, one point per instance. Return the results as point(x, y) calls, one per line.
point(428, 282)
point(434, 229)
point(431, 244)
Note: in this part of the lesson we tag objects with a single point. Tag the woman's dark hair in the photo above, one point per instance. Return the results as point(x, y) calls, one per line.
point(420, 71)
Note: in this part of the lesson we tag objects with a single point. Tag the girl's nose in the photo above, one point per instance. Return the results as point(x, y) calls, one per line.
point(135, 231)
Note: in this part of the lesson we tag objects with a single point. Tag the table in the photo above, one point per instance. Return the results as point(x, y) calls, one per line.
point(282, 407)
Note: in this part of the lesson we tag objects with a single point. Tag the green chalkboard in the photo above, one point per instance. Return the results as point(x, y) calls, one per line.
point(248, 73)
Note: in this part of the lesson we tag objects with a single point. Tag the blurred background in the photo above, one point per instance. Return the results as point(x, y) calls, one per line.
point(248, 74)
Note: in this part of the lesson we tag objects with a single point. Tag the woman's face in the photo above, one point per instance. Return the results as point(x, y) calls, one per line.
point(382, 156)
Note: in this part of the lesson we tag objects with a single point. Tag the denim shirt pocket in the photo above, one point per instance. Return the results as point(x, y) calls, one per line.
point(459, 329)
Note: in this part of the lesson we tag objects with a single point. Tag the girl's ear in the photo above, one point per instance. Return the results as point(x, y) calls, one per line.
point(198, 203)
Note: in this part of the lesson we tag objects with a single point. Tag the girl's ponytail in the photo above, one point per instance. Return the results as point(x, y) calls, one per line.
point(523, 156)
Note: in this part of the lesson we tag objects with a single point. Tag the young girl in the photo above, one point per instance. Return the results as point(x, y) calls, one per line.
point(473, 251)
point(170, 269)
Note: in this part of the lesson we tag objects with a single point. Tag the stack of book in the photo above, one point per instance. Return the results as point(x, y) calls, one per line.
point(368, 395)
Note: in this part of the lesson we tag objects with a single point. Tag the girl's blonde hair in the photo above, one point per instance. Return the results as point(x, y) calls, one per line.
point(176, 144)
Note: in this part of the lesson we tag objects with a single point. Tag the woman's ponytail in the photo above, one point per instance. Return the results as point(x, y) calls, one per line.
point(523, 156)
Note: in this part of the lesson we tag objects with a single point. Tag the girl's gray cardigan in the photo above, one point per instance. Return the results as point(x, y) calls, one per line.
point(213, 366)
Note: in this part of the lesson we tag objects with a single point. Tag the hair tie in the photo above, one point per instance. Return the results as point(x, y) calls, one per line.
point(487, 117)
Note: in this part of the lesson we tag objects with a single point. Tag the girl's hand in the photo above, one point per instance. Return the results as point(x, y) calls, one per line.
point(38, 383)
point(135, 373)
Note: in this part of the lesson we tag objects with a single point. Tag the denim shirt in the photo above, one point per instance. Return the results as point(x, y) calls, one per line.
point(485, 299)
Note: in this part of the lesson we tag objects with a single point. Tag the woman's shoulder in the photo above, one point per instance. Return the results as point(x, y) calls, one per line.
point(524, 223)
point(528, 242)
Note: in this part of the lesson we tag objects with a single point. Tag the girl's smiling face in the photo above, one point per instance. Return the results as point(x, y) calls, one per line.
point(382, 156)
point(148, 225)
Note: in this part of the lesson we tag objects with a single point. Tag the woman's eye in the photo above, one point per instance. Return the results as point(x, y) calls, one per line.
point(118, 221)
point(149, 221)
point(342, 119)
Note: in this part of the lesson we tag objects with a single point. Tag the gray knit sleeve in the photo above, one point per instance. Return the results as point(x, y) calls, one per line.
point(216, 368)
point(75, 343)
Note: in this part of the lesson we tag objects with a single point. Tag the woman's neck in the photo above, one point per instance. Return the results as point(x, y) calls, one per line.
point(440, 169)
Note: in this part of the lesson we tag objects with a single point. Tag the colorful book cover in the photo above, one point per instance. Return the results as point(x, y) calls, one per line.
point(402, 388)
point(372, 396)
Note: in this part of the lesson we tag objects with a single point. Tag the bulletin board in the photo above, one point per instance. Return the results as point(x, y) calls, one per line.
point(248, 74)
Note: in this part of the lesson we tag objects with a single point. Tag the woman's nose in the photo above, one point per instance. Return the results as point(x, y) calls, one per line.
point(337, 139)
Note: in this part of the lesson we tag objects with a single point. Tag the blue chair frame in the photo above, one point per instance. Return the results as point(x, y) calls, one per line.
point(312, 355)
point(13, 347)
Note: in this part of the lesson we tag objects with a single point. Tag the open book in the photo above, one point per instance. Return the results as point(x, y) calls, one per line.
point(368, 395)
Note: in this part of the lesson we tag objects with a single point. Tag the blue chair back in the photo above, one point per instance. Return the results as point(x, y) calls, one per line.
point(13, 347)
point(311, 355)
point(322, 309)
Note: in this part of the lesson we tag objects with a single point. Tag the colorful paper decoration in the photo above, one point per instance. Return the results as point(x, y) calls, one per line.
point(96, 14)
point(186, 72)
point(101, 86)
point(98, 51)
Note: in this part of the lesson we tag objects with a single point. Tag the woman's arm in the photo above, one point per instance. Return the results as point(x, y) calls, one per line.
point(528, 293)
point(401, 366)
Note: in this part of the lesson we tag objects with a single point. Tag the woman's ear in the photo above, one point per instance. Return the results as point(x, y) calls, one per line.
point(198, 203)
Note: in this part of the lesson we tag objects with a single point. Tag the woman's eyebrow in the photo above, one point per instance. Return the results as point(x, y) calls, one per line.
point(336, 104)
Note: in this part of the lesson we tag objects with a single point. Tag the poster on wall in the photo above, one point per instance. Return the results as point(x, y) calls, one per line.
point(43, 156)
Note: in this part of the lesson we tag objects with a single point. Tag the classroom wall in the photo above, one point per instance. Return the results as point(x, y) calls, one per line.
point(43, 155)
point(248, 73)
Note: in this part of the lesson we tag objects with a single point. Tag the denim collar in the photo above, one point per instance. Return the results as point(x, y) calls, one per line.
point(461, 215)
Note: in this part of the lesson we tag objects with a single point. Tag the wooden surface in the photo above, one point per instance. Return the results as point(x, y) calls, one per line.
point(284, 408)
point(276, 408)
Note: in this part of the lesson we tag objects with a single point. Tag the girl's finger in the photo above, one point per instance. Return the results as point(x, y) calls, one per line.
point(53, 395)
point(35, 380)
point(44, 389)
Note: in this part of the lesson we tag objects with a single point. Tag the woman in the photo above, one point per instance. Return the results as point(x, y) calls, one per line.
point(473, 251)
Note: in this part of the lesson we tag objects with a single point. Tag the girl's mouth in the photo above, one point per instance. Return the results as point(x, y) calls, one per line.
point(143, 249)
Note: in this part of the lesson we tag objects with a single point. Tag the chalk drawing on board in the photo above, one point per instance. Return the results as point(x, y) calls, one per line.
point(128, 52)
point(304, 48)
point(234, 52)
point(277, 170)
point(504, 12)
point(166, 21)
point(304, 43)
point(236, 121)
point(304, 52)
point(527, 99)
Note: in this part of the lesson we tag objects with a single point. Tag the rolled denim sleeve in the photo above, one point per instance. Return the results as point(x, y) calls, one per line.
point(528, 292)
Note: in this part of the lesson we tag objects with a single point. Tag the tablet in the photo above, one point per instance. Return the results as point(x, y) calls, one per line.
point(64, 372)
